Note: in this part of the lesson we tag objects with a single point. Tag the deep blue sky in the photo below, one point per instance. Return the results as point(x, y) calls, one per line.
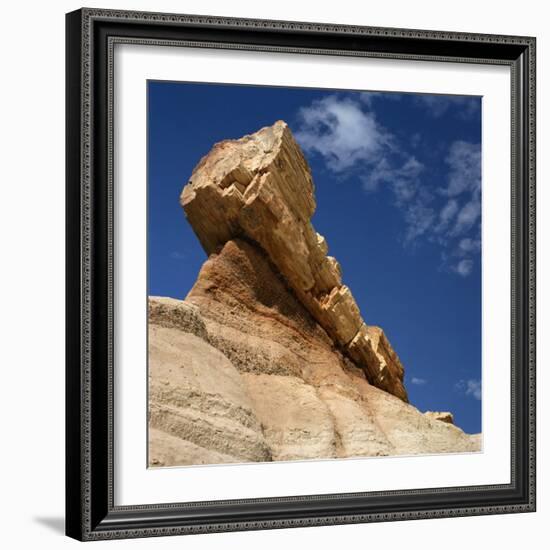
point(397, 181)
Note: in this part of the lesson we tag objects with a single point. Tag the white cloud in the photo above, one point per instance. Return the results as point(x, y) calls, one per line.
point(418, 381)
point(471, 387)
point(464, 267)
point(468, 245)
point(347, 135)
point(467, 216)
point(342, 132)
point(345, 132)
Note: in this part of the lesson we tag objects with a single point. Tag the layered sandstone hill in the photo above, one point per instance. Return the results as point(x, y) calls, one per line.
point(268, 357)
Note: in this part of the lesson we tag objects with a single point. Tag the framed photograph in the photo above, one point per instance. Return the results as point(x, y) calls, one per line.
point(300, 274)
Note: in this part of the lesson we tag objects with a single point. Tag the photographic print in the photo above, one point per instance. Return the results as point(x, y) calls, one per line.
point(298, 255)
point(314, 274)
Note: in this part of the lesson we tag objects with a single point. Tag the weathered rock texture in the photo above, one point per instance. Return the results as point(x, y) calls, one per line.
point(268, 357)
point(260, 187)
point(442, 416)
point(263, 382)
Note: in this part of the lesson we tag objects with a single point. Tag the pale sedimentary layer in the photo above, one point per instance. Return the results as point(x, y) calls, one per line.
point(260, 188)
point(240, 371)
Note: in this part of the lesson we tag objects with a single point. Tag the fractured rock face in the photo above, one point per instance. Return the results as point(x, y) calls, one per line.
point(260, 188)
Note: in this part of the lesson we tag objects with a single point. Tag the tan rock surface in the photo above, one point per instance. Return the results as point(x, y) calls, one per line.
point(169, 450)
point(240, 371)
point(297, 424)
point(196, 395)
point(260, 187)
point(441, 416)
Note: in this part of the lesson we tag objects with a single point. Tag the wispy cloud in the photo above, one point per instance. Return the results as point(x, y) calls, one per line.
point(464, 189)
point(404, 178)
point(464, 160)
point(471, 387)
point(418, 381)
point(446, 216)
point(439, 105)
point(419, 217)
point(369, 98)
point(346, 133)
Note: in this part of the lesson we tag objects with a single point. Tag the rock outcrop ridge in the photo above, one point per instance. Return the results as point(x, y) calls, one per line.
point(260, 188)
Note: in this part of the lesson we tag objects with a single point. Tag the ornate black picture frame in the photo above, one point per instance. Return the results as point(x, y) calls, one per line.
point(90, 510)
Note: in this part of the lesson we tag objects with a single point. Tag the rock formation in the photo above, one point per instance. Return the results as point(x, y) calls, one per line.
point(268, 357)
point(260, 187)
